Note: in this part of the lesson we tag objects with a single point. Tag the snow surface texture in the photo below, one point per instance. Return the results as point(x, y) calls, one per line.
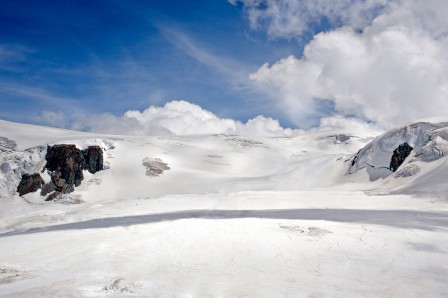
point(233, 216)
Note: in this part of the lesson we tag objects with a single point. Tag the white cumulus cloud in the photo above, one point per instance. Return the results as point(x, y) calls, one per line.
point(389, 69)
point(183, 118)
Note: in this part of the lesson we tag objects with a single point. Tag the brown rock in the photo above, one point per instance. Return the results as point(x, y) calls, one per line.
point(66, 163)
point(30, 183)
point(53, 196)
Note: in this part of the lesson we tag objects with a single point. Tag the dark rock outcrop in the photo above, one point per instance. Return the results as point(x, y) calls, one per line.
point(53, 196)
point(342, 138)
point(30, 183)
point(47, 188)
point(355, 158)
point(68, 161)
point(65, 164)
point(93, 159)
point(399, 156)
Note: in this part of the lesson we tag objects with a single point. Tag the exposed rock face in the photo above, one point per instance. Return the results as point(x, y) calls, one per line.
point(399, 156)
point(93, 159)
point(342, 138)
point(30, 183)
point(68, 161)
point(383, 156)
point(64, 163)
point(53, 196)
point(47, 188)
point(14, 163)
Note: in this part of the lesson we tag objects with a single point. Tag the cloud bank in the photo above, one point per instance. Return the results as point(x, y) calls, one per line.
point(384, 61)
point(183, 118)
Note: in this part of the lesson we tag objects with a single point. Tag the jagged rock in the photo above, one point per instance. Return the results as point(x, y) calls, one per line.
point(14, 163)
point(53, 196)
point(355, 158)
point(57, 185)
point(93, 159)
point(378, 153)
point(47, 188)
point(399, 156)
point(65, 164)
point(61, 184)
point(57, 181)
point(342, 138)
point(68, 161)
point(30, 183)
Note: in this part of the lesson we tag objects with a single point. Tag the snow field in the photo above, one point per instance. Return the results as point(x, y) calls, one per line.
point(231, 217)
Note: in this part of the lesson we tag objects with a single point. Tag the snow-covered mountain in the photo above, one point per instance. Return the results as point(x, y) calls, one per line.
point(421, 166)
point(324, 213)
point(198, 164)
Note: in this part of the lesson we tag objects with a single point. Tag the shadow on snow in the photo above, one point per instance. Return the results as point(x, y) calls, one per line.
point(426, 220)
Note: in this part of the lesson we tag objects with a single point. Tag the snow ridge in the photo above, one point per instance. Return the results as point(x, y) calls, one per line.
point(428, 141)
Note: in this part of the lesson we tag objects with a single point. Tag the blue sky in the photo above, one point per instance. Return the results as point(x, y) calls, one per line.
point(92, 57)
point(77, 63)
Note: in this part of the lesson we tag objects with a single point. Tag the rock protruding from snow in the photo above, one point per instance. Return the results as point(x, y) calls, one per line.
point(56, 186)
point(93, 159)
point(399, 156)
point(68, 161)
point(13, 164)
point(421, 142)
point(342, 138)
point(65, 164)
point(30, 183)
point(154, 166)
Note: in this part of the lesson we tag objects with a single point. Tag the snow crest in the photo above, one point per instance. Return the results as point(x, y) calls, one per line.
point(428, 140)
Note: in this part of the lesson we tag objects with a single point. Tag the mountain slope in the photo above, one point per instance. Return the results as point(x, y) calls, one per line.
point(221, 215)
point(423, 169)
